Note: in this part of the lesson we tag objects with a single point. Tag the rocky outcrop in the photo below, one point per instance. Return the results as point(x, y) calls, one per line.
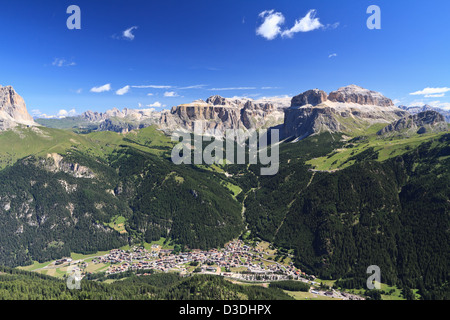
point(358, 95)
point(217, 101)
point(345, 110)
point(122, 121)
point(419, 109)
point(302, 122)
point(423, 122)
point(56, 163)
point(311, 97)
point(218, 114)
point(13, 110)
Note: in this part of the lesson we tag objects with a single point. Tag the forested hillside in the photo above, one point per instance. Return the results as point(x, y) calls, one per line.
point(387, 207)
point(52, 204)
point(393, 213)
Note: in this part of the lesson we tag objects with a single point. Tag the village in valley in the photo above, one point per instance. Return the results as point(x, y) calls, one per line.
point(235, 260)
point(239, 261)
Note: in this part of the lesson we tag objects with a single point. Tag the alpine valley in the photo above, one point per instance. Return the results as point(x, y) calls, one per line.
point(361, 182)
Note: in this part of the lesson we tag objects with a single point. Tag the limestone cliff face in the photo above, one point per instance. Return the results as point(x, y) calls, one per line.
point(56, 163)
point(347, 109)
point(303, 122)
point(13, 110)
point(423, 122)
point(218, 114)
point(356, 94)
point(311, 97)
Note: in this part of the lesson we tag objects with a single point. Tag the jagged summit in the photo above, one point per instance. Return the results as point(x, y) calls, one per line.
point(13, 110)
point(344, 110)
point(311, 97)
point(419, 109)
point(219, 114)
point(347, 109)
point(348, 94)
point(420, 123)
point(216, 100)
point(359, 95)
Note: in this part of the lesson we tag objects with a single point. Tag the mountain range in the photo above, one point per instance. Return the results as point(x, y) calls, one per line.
point(418, 109)
point(361, 182)
point(349, 108)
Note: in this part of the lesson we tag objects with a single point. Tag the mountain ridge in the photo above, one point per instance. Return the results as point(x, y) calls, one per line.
point(13, 110)
point(344, 110)
point(219, 114)
point(417, 109)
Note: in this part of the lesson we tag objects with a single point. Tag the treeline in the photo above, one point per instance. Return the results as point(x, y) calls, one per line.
point(16, 284)
point(291, 285)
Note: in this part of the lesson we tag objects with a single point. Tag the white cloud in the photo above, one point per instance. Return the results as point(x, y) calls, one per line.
point(36, 112)
point(157, 104)
point(237, 88)
point(44, 116)
point(439, 104)
point(79, 91)
point(149, 94)
point(305, 24)
point(106, 87)
point(123, 91)
point(60, 115)
point(435, 95)
point(64, 113)
point(127, 34)
point(430, 91)
point(284, 96)
point(436, 104)
point(416, 103)
point(170, 94)
point(152, 86)
point(197, 86)
point(271, 27)
point(332, 26)
point(59, 62)
point(332, 55)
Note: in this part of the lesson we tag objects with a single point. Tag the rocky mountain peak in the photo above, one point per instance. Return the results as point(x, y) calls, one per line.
point(13, 110)
point(359, 95)
point(216, 100)
point(422, 122)
point(311, 97)
point(419, 109)
point(344, 110)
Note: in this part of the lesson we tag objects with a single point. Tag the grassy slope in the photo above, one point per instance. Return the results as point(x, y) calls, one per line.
point(386, 148)
point(22, 142)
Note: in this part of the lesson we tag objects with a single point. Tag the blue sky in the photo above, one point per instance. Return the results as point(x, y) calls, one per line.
point(179, 51)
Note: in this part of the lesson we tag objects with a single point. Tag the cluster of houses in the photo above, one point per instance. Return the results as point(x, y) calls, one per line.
point(235, 255)
point(249, 261)
point(236, 260)
point(63, 260)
